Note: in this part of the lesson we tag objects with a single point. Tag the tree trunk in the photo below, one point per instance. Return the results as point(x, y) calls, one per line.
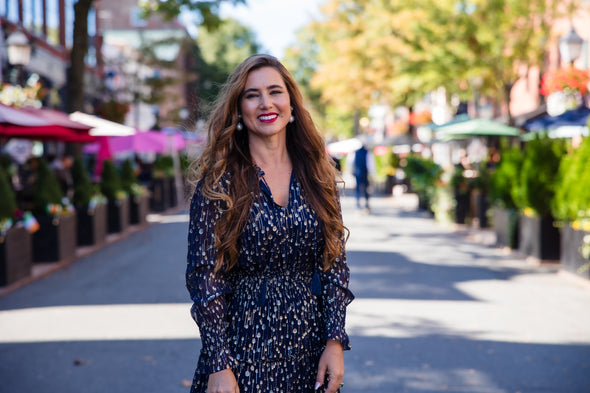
point(75, 77)
point(507, 93)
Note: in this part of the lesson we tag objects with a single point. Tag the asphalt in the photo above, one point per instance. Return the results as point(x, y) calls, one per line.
point(437, 309)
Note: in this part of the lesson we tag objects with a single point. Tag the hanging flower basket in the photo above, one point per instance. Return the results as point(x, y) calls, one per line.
point(565, 89)
point(568, 80)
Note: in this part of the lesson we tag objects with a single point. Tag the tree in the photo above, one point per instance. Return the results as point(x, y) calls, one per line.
point(217, 54)
point(207, 10)
point(397, 51)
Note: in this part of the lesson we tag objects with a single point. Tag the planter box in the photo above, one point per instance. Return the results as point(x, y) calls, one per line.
point(570, 257)
point(15, 255)
point(539, 238)
point(117, 215)
point(506, 223)
point(56, 238)
point(138, 209)
point(159, 195)
point(92, 226)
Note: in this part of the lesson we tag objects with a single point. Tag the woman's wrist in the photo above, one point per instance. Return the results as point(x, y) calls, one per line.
point(330, 343)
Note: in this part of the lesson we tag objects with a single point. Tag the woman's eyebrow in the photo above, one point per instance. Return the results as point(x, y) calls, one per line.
point(252, 89)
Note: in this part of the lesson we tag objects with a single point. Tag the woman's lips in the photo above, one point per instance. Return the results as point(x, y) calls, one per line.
point(268, 117)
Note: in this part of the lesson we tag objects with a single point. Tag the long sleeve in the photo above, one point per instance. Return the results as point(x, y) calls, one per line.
point(206, 287)
point(335, 297)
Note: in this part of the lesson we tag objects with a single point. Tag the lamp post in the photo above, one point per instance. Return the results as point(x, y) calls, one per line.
point(19, 55)
point(570, 46)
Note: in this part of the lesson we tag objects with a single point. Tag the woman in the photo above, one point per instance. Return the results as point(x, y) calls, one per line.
point(266, 263)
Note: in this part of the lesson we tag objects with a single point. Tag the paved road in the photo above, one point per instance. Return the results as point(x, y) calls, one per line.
point(436, 311)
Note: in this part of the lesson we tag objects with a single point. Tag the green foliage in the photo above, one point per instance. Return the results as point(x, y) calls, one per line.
point(504, 179)
point(338, 123)
point(482, 180)
point(381, 167)
point(5, 161)
point(128, 177)
point(423, 174)
point(206, 12)
point(110, 182)
point(394, 160)
point(538, 174)
point(399, 51)
point(83, 187)
point(46, 189)
point(217, 53)
point(163, 167)
point(572, 192)
point(185, 163)
point(7, 196)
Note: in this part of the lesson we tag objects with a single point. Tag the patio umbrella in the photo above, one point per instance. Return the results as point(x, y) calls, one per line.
point(344, 147)
point(140, 142)
point(566, 125)
point(102, 127)
point(146, 142)
point(41, 124)
point(474, 128)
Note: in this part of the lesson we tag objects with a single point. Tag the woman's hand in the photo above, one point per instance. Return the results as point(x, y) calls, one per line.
point(331, 363)
point(223, 381)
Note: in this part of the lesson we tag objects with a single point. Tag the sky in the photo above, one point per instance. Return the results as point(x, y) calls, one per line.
point(274, 22)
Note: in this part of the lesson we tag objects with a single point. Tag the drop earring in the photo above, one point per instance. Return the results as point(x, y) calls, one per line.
point(292, 118)
point(240, 126)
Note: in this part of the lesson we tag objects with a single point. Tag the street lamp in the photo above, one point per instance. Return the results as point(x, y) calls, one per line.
point(19, 53)
point(570, 46)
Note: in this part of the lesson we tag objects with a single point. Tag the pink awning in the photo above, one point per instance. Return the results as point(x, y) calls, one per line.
point(41, 124)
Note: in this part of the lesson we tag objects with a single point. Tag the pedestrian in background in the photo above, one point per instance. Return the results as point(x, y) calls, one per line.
point(362, 164)
point(266, 267)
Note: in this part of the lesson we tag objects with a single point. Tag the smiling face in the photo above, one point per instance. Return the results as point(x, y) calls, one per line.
point(265, 104)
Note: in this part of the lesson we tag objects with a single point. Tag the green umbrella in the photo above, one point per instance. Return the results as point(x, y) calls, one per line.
point(475, 127)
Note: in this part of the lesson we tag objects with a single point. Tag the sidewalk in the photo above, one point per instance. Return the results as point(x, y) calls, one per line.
point(40, 270)
point(437, 309)
point(440, 309)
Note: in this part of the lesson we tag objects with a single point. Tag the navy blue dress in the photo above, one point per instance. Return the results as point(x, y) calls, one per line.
point(261, 318)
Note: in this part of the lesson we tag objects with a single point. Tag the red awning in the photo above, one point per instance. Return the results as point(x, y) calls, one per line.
point(42, 124)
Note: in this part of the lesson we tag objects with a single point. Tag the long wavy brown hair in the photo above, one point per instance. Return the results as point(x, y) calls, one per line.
point(227, 152)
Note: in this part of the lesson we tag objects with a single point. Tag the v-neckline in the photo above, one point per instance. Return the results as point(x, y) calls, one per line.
point(266, 188)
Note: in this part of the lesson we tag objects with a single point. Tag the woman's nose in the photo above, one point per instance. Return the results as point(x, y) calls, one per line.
point(264, 100)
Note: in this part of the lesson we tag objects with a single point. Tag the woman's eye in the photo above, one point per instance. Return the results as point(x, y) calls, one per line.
point(275, 92)
point(251, 95)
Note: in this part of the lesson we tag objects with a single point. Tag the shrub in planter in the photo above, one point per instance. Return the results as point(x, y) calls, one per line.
point(90, 208)
point(164, 171)
point(571, 206)
point(138, 201)
point(8, 205)
point(503, 188)
point(117, 201)
point(535, 191)
point(56, 238)
point(540, 166)
point(15, 241)
point(423, 174)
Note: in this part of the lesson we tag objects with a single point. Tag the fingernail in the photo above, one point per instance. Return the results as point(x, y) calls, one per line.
point(317, 386)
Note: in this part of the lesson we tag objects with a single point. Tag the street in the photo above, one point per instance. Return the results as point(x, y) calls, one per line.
point(436, 310)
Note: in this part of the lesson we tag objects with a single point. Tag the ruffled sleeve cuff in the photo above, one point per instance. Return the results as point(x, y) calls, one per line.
point(213, 360)
point(335, 300)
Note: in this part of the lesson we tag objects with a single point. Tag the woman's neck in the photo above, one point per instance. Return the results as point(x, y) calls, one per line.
point(269, 154)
